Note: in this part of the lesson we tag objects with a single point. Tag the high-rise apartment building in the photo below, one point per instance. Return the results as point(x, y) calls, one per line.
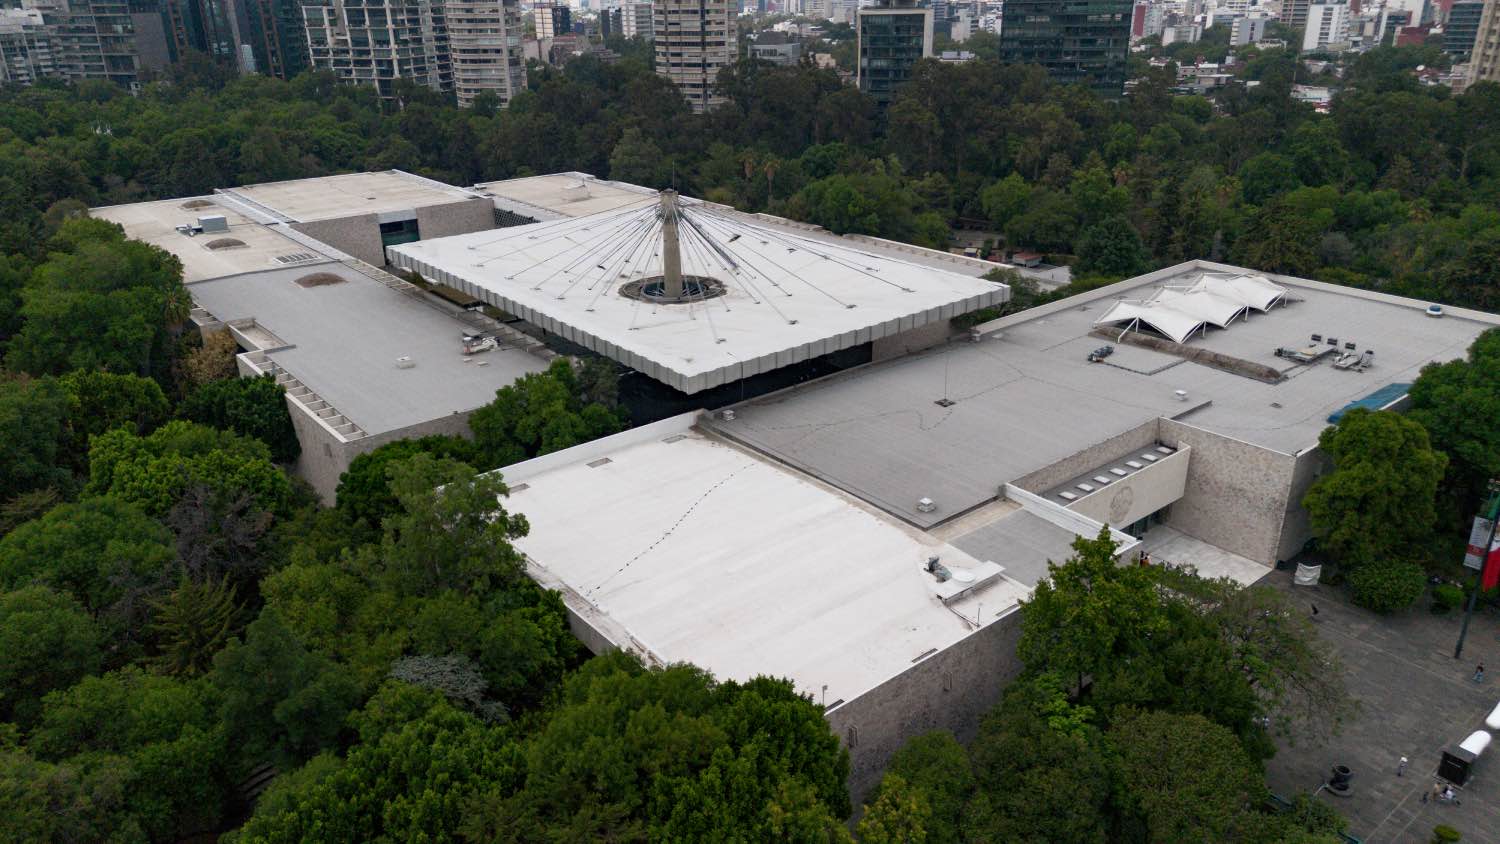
point(205, 26)
point(553, 18)
point(1247, 30)
point(376, 42)
point(611, 22)
point(1462, 28)
point(1083, 42)
point(635, 20)
point(485, 39)
point(1484, 61)
point(889, 40)
point(1327, 26)
point(1294, 13)
point(274, 32)
point(92, 39)
point(694, 40)
point(25, 47)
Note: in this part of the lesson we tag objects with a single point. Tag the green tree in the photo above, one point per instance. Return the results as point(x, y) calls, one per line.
point(280, 702)
point(1267, 176)
point(47, 642)
point(638, 160)
point(1379, 500)
point(1111, 247)
point(898, 816)
point(252, 407)
point(1214, 799)
point(454, 534)
point(364, 490)
point(100, 302)
point(155, 471)
point(160, 736)
point(192, 624)
point(542, 412)
point(412, 778)
point(1454, 401)
point(101, 401)
point(1088, 611)
point(1033, 781)
point(1386, 586)
point(33, 422)
point(934, 785)
point(105, 553)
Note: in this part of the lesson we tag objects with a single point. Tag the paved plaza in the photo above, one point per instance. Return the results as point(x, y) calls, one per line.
point(1415, 700)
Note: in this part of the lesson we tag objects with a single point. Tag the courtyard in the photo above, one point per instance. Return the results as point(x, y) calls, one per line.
point(1415, 700)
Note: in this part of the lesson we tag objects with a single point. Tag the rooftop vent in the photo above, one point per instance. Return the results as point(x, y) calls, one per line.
point(296, 258)
point(405, 362)
point(925, 505)
point(727, 415)
point(1181, 395)
point(224, 243)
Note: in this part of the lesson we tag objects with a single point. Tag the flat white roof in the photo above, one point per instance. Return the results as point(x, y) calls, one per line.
point(348, 195)
point(685, 548)
point(156, 223)
point(342, 340)
point(562, 195)
point(789, 296)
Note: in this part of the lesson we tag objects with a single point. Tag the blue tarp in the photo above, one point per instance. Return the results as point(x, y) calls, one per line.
point(1374, 401)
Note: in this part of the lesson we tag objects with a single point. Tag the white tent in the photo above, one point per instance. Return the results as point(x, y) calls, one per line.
point(1204, 305)
point(1255, 291)
point(1215, 299)
point(1166, 320)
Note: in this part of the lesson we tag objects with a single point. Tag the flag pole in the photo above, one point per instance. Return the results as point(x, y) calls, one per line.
point(1484, 560)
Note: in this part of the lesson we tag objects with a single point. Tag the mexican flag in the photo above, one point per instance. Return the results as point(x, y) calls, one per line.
point(1480, 557)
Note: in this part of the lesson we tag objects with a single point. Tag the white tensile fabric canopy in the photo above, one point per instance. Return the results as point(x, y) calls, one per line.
point(1214, 299)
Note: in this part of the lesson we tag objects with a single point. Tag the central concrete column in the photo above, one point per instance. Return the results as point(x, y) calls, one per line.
point(671, 257)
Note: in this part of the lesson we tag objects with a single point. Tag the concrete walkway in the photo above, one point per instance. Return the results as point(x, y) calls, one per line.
point(1416, 699)
point(1166, 545)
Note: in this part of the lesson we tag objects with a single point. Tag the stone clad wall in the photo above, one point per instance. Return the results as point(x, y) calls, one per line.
point(950, 690)
point(357, 236)
point(1236, 495)
point(1296, 528)
point(474, 215)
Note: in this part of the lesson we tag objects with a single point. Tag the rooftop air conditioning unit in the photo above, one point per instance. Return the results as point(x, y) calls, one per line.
point(213, 223)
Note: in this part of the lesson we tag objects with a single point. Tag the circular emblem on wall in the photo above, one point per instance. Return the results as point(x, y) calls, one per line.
point(1119, 506)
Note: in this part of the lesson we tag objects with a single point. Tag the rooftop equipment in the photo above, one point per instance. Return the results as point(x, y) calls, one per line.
point(1434, 310)
point(925, 505)
point(213, 223)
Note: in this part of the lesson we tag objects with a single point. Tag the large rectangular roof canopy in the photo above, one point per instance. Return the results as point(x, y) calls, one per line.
point(758, 296)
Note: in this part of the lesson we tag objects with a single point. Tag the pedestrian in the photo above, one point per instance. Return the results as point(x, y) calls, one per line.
point(1479, 673)
point(1424, 798)
point(1401, 767)
point(1315, 610)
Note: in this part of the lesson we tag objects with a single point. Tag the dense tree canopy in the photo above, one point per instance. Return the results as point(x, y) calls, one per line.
point(1379, 499)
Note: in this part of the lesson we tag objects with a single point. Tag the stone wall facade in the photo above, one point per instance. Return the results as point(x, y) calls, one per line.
point(1237, 493)
point(950, 690)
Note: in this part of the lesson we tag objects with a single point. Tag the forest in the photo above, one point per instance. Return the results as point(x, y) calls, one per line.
point(192, 646)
